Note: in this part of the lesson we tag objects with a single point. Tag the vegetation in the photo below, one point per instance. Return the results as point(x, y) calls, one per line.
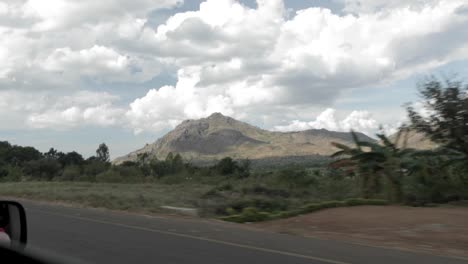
point(251, 214)
point(447, 120)
point(413, 176)
point(140, 197)
point(366, 173)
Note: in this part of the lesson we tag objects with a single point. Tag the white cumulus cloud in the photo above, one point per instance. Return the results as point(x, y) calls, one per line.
point(227, 57)
point(59, 112)
point(307, 58)
point(357, 120)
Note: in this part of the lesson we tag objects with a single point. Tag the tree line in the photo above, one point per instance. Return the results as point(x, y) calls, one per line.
point(24, 163)
point(19, 163)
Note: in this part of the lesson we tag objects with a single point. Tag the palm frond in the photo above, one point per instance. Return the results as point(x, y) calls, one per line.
point(341, 146)
point(343, 163)
point(387, 143)
point(370, 145)
point(339, 153)
point(369, 157)
point(398, 136)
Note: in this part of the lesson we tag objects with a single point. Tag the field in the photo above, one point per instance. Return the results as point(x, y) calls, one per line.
point(130, 197)
point(213, 196)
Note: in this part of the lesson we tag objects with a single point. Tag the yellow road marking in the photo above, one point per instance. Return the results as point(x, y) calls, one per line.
point(285, 253)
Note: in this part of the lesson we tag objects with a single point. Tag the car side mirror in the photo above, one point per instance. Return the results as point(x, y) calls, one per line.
point(13, 227)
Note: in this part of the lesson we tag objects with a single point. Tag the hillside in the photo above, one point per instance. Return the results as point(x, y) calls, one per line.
point(413, 140)
point(219, 136)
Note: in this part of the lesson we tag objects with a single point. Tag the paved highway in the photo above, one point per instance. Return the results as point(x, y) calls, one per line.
point(101, 236)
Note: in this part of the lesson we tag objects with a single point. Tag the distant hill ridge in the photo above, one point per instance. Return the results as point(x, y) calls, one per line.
point(218, 136)
point(412, 139)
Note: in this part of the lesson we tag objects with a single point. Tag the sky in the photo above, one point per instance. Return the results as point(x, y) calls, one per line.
point(76, 73)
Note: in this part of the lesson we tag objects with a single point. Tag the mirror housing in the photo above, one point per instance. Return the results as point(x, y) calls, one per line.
point(13, 225)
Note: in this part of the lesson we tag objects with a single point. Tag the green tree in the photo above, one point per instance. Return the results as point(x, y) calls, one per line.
point(177, 163)
point(102, 153)
point(71, 158)
point(42, 169)
point(226, 166)
point(373, 161)
point(52, 154)
point(169, 157)
point(71, 173)
point(158, 168)
point(94, 166)
point(244, 168)
point(446, 123)
point(18, 155)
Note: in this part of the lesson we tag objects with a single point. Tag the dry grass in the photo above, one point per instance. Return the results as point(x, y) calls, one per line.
point(131, 197)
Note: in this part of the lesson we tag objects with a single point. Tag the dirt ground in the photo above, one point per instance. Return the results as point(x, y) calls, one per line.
point(436, 230)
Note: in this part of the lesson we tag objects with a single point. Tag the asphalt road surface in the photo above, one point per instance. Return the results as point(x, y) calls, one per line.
point(101, 236)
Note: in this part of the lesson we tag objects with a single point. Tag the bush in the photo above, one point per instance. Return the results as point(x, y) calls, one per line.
point(439, 185)
point(262, 190)
point(361, 201)
point(216, 191)
point(178, 178)
point(121, 174)
point(295, 178)
point(226, 206)
point(130, 174)
point(42, 169)
point(230, 211)
point(109, 176)
point(10, 174)
point(312, 207)
point(226, 166)
point(251, 214)
point(71, 173)
point(94, 167)
point(268, 205)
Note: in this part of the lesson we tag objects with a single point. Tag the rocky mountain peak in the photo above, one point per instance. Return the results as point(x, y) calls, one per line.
point(218, 136)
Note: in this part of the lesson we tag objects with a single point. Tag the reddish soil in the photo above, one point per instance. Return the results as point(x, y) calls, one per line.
point(436, 230)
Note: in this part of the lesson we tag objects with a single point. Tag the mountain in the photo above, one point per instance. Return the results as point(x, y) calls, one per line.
point(415, 140)
point(219, 136)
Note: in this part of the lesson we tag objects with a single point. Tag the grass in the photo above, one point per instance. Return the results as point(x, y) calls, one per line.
point(130, 197)
point(253, 204)
point(262, 196)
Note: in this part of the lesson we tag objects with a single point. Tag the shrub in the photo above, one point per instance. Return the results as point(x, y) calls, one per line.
point(94, 167)
point(262, 190)
point(10, 174)
point(237, 205)
point(249, 214)
point(224, 187)
point(109, 176)
point(42, 169)
point(213, 193)
point(230, 211)
point(361, 201)
point(312, 207)
point(268, 205)
point(71, 173)
point(295, 178)
point(130, 174)
point(226, 166)
point(178, 178)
